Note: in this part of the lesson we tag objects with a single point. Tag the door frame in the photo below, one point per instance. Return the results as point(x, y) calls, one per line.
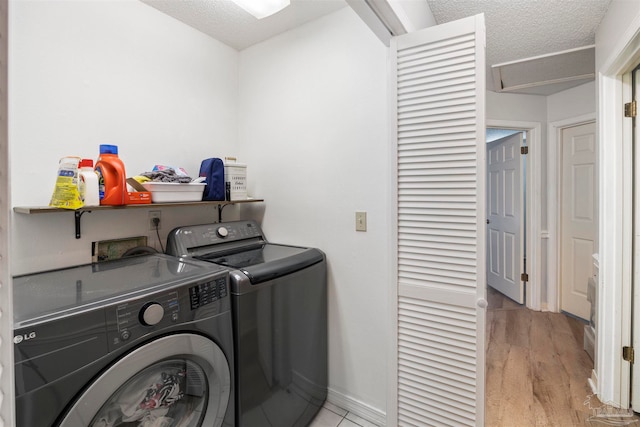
point(554, 172)
point(612, 373)
point(535, 235)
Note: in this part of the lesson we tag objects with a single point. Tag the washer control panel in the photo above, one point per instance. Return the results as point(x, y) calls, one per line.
point(222, 232)
point(151, 314)
point(207, 293)
point(135, 317)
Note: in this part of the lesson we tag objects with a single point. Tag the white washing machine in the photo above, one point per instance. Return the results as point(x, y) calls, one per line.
point(142, 341)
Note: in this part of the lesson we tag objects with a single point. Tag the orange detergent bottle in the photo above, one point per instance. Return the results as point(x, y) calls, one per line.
point(112, 179)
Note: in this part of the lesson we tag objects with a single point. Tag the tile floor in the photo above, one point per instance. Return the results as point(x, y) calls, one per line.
point(332, 416)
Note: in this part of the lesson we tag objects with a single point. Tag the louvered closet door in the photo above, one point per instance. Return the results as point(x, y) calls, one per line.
point(440, 84)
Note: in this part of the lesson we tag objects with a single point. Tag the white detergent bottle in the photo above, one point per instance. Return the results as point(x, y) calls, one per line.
point(88, 183)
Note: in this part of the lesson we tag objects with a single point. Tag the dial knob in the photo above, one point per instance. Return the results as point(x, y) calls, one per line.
point(151, 314)
point(222, 232)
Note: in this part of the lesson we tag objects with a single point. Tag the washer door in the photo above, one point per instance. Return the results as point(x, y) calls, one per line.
point(178, 380)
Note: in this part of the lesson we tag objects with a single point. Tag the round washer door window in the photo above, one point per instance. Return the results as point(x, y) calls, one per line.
point(175, 381)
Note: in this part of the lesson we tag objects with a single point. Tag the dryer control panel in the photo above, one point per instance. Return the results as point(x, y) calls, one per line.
point(195, 240)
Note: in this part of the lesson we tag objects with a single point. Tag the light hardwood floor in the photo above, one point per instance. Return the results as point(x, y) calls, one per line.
point(536, 368)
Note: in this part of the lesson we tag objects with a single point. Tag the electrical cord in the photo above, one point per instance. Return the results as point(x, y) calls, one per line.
point(156, 222)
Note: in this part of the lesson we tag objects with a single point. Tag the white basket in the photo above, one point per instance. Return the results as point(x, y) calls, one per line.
point(167, 192)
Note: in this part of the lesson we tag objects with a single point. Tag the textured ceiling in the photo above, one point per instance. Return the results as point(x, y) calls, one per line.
point(228, 23)
point(518, 29)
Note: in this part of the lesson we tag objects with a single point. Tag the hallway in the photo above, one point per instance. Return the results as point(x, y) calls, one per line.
point(536, 368)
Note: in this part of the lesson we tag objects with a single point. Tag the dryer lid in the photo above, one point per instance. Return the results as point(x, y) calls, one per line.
point(269, 261)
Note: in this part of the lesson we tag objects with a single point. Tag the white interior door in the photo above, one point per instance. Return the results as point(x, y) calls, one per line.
point(504, 216)
point(439, 76)
point(579, 217)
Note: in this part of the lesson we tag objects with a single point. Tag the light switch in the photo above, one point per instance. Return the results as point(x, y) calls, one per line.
point(361, 221)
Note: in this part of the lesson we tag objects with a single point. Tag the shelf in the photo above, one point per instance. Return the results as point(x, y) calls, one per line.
point(31, 210)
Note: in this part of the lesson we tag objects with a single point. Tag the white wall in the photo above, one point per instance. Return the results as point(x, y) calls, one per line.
point(516, 107)
point(313, 130)
point(84, 73)
point(616, 29)
point(570, 103)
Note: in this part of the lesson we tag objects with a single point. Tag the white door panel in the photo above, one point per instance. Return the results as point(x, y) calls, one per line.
point(441, 161)
point(504, 228)
point(578, 217)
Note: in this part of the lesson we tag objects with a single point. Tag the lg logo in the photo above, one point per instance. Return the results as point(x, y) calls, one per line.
point(26, 337)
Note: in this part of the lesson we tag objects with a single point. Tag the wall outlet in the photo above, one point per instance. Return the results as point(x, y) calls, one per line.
point(361, 221)
point(152, 216)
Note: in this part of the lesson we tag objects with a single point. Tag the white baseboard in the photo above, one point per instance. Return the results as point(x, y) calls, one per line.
point(359, 408)
point(593, 382)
